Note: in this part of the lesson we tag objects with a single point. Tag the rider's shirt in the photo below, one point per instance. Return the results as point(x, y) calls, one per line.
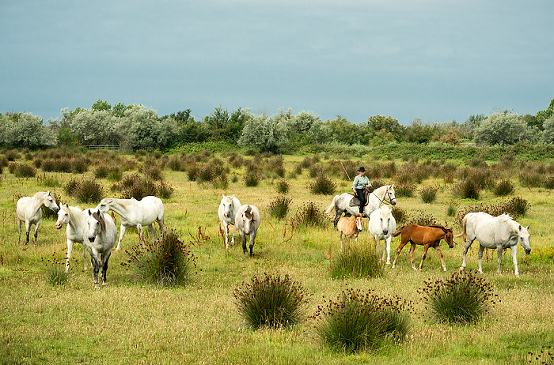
point(360, 182)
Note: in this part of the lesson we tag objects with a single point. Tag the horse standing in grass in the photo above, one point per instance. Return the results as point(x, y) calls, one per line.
point(350, 227)
point(494, 232)
point(227, 210)
point(428, 236)
point(28, 211)
point(99, 234)
point(247, 221)
point(75, 220)
point(135, 213)
point(349, 204)
point(381, 226)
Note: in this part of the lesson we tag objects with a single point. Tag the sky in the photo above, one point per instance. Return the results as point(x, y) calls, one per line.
point(436, 60)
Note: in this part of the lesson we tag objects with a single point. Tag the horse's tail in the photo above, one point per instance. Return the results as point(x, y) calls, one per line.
point(464, 232)
point(398, 231)
point(331, 206)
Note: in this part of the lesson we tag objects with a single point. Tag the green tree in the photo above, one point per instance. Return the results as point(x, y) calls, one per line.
point(504, 128)
point(383, 129)
point(341, 130)
point(93, 127)
point(418, 132)
point(543, 115)
point(548, 133)
point(101, 105)
point(264, 134)
point(25, 130)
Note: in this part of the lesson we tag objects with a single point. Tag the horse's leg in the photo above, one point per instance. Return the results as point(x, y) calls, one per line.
point(514, 258)
point(340, 238)
point(442, 258)
point(387, 241)
point(161, 224)
point(84, 257)
point(480, 257)
point(139, 229)
point(252, 236)
point(412, 251)
point(37, 224)
point(226, 234)
point(95, 267)
point(499, 251)
point(27, 230)
point(425, 248)
point(122, 229)
point(469, 241)
point(338, 213)
point(243, 241)
point(69, 249)
point(19, 229)
point(152, 233)
point(398, 249)
point(105, 265)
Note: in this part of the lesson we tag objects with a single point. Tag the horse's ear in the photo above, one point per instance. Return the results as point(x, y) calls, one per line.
point(528, 226)
point(519, 228)
point(223, 195)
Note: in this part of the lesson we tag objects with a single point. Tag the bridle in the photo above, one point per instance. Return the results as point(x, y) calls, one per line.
point(387, 192)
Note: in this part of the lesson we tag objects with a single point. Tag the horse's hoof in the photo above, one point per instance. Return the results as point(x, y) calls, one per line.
point(462, 268)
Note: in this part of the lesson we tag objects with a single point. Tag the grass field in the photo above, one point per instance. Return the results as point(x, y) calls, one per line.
point(132, 323)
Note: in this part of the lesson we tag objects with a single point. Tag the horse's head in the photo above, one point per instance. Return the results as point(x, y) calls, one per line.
point(94, 224)
point(248, 218)
point(105, 205)
point(449, 237)
point(227, 203)
point(385, 218)
point(63, 216)
point(50, 202)
point(390, 194)
point(359, 222)
point(524, 238)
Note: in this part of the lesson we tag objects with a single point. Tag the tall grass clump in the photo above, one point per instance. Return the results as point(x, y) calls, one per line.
point(357, 261)
point(252, 179)
point(283, 187)
point(309, 215)
point(461, 299)
point(165, 262)
point(323, 185)
point(89, 191)
point(503, 188)
point(404, 189)
point(271, 301)
point(279, 207)
point(55, 273)
point(428, 194)
point(24, 170)
point(466, 189)
point(361, 320)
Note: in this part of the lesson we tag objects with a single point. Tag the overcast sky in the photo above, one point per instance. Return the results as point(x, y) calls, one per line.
point(437, 60)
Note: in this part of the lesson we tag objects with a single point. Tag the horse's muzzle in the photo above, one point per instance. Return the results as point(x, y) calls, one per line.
point(58, 226)
point(91, 239)
point(527, 251)
point(393, 202)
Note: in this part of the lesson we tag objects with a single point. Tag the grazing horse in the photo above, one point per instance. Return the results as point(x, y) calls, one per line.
point(135, 213)
point(428, 236)
point(74, 217)
point(227, 209)
point(100, 234)
point(247, 221)
point(350, 227)
point(381, 226)
point(28, 211)
point(344, 203)
point(494, 232)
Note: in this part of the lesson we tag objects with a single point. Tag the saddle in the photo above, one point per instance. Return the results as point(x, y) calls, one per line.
point(355, 202)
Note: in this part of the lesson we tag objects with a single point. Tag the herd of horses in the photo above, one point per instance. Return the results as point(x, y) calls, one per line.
point(95, 229)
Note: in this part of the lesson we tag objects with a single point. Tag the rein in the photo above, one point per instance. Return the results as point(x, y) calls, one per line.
point(384, 196)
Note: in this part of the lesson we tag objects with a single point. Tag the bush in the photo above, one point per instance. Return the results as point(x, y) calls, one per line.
point(462, 299)
point(466, 189)
point(164, 262)
point(428, 194)
point(309, 215)
point(101, 172)
point(279, 207)
point(283, 187)
point(548, 182)
point(404, 190)
point(357, 261)
point(24, 170)
point(516, 207)
point(270, 300)
point(56, 275)
point(399, 214)
point(79, 165)
point(252, 179)
point(361, 320)
point(323, 185)
point(88, 191)
point(530, 179)
point(503, 188)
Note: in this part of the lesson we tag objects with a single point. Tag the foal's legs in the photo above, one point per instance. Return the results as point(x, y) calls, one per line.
point(152, 233)
point(95, 267)
point(412, 251)
point(442, 258)
point(425, 248)
point(398, 249)
point(69, 249)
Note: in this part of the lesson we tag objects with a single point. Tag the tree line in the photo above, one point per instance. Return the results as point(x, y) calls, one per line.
point(134, 127)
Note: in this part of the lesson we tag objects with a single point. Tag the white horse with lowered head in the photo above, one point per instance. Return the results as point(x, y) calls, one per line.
point(99, 235)
point(247, 221)
point(74, 217)
point(28, 211)
point(345, 203)
point(494, 232)
point(227, 210)
point(381, 227)
point(135, 213)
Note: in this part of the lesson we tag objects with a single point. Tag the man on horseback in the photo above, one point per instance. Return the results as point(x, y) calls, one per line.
point(361, 183)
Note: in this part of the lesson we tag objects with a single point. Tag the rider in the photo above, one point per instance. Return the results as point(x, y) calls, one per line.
point(361, 182)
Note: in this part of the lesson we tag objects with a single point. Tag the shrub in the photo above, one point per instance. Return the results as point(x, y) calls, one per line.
point(399, 215)
point(175, 163)
point(167, 261)
point(165, 190)
point(279, 207)
point(88, 191)
point(548, 182)
point(451, 210)
point(356, 261)
point(114, 174)
point(530, 179)
point(24, 170)
point(271, 300)
point(71, 187)
point(252, 179)
point(221, 182)
point(466, 189)
point(404, 189)
point(101, 172)
point(48, 181)
point(503, 188)
point(323, 185)
point(309, 215)
point(56, 275)
point(79, 165)
point(428, 194)
point(516, 207)
point(152, 172)
point(283, 187)
point(361, 320)
point(462, 299)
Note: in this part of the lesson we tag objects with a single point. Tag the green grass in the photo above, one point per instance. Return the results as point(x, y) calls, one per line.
point(128, 322)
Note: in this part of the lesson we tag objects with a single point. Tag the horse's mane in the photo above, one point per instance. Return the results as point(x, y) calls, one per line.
point(446, 230)
point(100, 219)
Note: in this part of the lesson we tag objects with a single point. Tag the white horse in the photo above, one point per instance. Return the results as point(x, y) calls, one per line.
point(135, 213)
point(227, 209)
point(346, 202)
point(74, 217)
point(28, 211)
point(381, 227)
point(100, 234)
point(247, 221)
point(494, 232)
